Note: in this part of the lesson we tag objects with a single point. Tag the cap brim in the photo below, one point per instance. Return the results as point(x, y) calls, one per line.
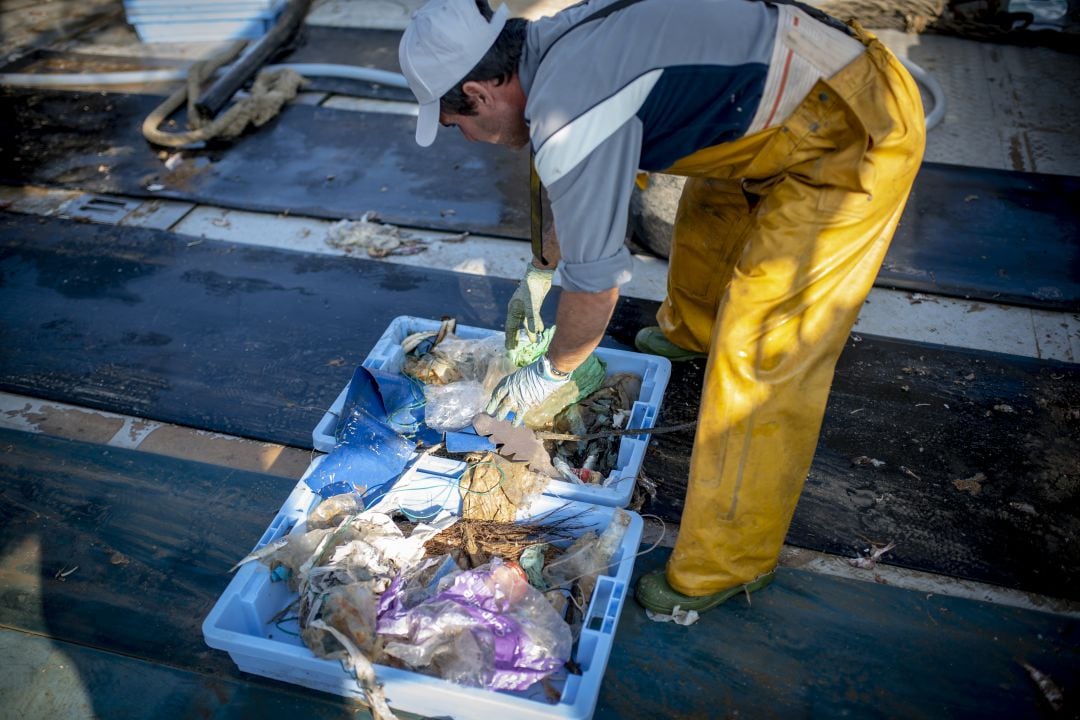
point(427, 123)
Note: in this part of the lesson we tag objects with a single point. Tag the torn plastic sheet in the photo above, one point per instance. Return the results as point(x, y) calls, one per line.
point(468, 441)
point(677, 616)
point(393, 399)
point(380, 424)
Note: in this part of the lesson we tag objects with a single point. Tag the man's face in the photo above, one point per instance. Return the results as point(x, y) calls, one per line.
point(499, 118)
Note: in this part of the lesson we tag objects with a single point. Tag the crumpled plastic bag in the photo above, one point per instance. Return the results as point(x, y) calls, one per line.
point(350, 609)
point(485, 627)
point(458, 377)
point(455, 359)
point(368, 547)
point(452, 407)
point(330, 512)
point(376, 549)
point(588, 557)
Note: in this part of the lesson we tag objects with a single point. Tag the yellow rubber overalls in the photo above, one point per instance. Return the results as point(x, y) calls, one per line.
point(777, 241)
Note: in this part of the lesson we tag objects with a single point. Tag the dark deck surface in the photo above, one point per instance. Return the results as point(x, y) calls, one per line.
point(990, 235)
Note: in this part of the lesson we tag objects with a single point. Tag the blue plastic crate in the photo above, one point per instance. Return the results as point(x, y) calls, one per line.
point(202, 31)
point(654, 371)
point(240, 621)
point(170, 21)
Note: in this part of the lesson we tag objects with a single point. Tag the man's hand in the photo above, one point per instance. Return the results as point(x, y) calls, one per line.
point(525, 389)
point(524, 306)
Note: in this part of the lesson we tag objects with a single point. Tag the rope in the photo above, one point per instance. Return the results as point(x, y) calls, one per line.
point(271, 90)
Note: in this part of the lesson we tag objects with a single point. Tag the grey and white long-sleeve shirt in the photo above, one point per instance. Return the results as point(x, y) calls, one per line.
point(645, 86)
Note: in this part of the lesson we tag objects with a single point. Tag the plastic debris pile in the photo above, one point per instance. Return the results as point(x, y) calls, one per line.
point(480, 603)
point(460, 591)
point(458, 376)
point(608, 408)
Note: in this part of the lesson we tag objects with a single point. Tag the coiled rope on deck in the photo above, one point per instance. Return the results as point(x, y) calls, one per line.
point(270, 91)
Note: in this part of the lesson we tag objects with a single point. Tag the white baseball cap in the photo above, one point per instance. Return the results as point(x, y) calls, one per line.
point(442, 44)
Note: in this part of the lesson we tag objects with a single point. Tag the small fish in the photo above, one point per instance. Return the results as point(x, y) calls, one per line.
point(871, 560)
point(1049, 688)
point(262, 552)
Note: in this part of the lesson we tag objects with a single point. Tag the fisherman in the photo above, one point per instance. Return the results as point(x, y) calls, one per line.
point(800, 138)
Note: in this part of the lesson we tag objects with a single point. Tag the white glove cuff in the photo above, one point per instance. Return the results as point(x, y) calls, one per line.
point(550, 373)
point(545, 273)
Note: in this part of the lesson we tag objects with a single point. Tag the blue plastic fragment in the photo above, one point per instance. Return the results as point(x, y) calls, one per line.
point(403, 399)
point(363, 393)
point(468, 441)
point(279, 574)
point(429, 437)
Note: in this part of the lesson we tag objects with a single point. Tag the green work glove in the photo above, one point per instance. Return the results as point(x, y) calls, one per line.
point(524, 307)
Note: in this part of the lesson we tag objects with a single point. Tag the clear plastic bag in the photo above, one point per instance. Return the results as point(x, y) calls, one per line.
point(588, 557)
point(472, 357)
point(331, 511)
point(456, 359)
point(474, 368)
point(452, 407)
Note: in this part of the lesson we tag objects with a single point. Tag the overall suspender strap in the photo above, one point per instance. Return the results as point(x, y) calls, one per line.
point(820, 15)
point(536, 212)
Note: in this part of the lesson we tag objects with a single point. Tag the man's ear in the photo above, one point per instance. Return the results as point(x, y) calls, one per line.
point(480, 92)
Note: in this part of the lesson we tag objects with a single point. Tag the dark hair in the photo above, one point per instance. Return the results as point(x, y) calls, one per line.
point(500, 63)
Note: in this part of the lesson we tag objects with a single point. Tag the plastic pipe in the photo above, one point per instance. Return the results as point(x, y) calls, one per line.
point(108, 78)
point(351, 72)
point(348, 72)
point(928, 81)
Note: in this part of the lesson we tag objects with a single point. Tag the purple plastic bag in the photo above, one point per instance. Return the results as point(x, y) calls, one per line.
point(511, 634)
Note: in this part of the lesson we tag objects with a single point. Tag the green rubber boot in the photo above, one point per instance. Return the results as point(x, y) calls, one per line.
point(654, 593)
point(651, 340)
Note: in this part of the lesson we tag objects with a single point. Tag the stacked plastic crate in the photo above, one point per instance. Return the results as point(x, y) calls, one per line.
point(241, 621)
point(201, 20)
